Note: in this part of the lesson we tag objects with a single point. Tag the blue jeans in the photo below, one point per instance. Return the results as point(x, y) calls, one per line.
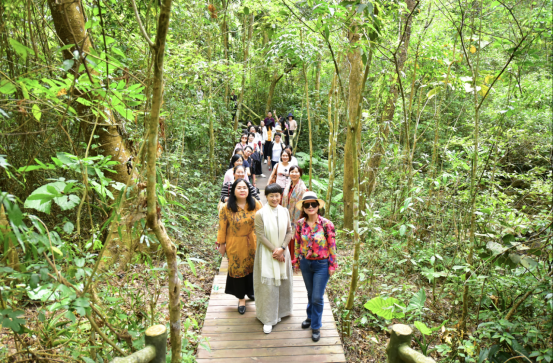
point(315, 275)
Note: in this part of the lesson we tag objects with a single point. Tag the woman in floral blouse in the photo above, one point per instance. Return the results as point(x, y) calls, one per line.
point(315, 256)
point(236, 238)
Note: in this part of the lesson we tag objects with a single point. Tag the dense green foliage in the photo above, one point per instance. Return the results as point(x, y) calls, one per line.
point(461, 213)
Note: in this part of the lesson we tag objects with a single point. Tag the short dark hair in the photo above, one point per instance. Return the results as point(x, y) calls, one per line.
point(248, 147)
point(287, 152)
point(278, 134)
point(293, 167)
point(251, 133)
point(289, 148)
point(231, 203)
point(320, 212)
point(273, 188)
point(234, 158)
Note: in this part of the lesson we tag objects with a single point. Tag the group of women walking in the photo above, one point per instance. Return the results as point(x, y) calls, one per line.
point(266, 244)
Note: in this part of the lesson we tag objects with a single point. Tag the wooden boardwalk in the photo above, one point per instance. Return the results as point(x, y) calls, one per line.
point(239, 338)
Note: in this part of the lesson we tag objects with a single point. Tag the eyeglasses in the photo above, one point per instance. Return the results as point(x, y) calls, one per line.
point(311, 204)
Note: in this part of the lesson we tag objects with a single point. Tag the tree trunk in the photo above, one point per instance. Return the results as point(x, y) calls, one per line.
point(309, 125)
point(331, 145)
point(354, 132)
point(248, 31)
point(272, 87)
point(152, 215)
point(389, 109)
point(69, 24)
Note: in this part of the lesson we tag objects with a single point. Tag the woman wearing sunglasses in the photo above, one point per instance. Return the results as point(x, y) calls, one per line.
point(315, 256)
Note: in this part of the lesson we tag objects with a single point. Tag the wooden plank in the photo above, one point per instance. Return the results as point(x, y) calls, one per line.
point(258, 335)
point(274, 343)
point(240, 320)
point(224, 300)
point(297, 308)
point(251, 314)
point(254, 327)
point(270, 352)
point(289, 359)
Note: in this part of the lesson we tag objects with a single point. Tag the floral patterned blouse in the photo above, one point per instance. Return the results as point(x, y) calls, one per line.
point(314, 243)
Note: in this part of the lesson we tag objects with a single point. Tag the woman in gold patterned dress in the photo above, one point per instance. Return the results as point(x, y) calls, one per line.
point(236, 238)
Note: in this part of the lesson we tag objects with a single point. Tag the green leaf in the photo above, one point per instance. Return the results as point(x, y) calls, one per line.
point(192, 267)
point(432, 93)
point(84, 101)
point(57, 250)
point(388, 309)
point(67, 201)
point(36, 112)
point(41, 198)
point(6, 87)
point(417, 301)
point(9, 319)
point(423, 328)
point(67, 64)
point(20, 49)
point(246, 10)
point(68, 227)
point(402, 230)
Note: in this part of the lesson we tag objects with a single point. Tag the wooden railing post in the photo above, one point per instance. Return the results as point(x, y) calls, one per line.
point(155, 349)
point(399, 350)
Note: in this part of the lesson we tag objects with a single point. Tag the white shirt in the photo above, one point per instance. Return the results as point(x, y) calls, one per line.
point(277, 150)
point(294, 161)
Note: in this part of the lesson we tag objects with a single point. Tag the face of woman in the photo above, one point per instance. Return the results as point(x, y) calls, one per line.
point(239, 174)
point(262, 123)
point(277, 138)
point(244, 139)
point(295, 175)
point(238, 162)
point(273, 199)
point(252, 129)
point(250, 138)
point(247, 153)
point(310, 210)
point(241, 191)
point(285, 158)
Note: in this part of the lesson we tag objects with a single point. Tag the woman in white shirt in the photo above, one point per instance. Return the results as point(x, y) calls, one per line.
point(281, 171)
point(276, 149)
point(293, 160)
point(267, 138)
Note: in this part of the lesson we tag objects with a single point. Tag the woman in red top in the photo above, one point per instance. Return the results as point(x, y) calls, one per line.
point(315, 255)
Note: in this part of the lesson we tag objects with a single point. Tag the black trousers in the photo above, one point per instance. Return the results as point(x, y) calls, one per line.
point(268, 149)
point(287, 136)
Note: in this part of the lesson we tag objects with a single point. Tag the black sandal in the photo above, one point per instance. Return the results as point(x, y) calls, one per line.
point(241, 309)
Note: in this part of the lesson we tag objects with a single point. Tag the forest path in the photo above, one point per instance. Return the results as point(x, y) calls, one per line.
point(239, 338)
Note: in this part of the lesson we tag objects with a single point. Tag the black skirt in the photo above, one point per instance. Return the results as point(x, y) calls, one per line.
point(240, 286)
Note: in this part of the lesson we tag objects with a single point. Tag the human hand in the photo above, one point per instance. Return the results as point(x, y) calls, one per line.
point(331, 272)
point(226, 199)
point(278, 252)
point(222, 249)
point(281, 258)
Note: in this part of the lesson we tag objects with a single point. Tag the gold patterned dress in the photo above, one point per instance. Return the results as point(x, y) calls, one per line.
point(237, 231)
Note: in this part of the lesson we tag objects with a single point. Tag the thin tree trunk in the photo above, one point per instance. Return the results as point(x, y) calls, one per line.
point(248, 31)
point(389, 109)
point(331, 145)
point(309, 125)
point(152, 215)
point(354, 58)
point(272, 87)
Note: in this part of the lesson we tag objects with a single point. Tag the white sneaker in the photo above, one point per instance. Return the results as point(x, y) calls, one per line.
point(267, 329)
point(265, 162)
point(262, 176)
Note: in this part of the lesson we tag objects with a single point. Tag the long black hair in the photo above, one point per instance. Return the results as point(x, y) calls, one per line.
point(233, 160)
point(231, 203)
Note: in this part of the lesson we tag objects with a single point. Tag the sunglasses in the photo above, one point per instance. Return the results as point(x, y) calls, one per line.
point(311, 204)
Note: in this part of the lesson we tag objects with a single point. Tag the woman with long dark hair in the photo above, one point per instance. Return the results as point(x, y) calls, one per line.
point(315, 256)
point(237, 239)
point(273, 278)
